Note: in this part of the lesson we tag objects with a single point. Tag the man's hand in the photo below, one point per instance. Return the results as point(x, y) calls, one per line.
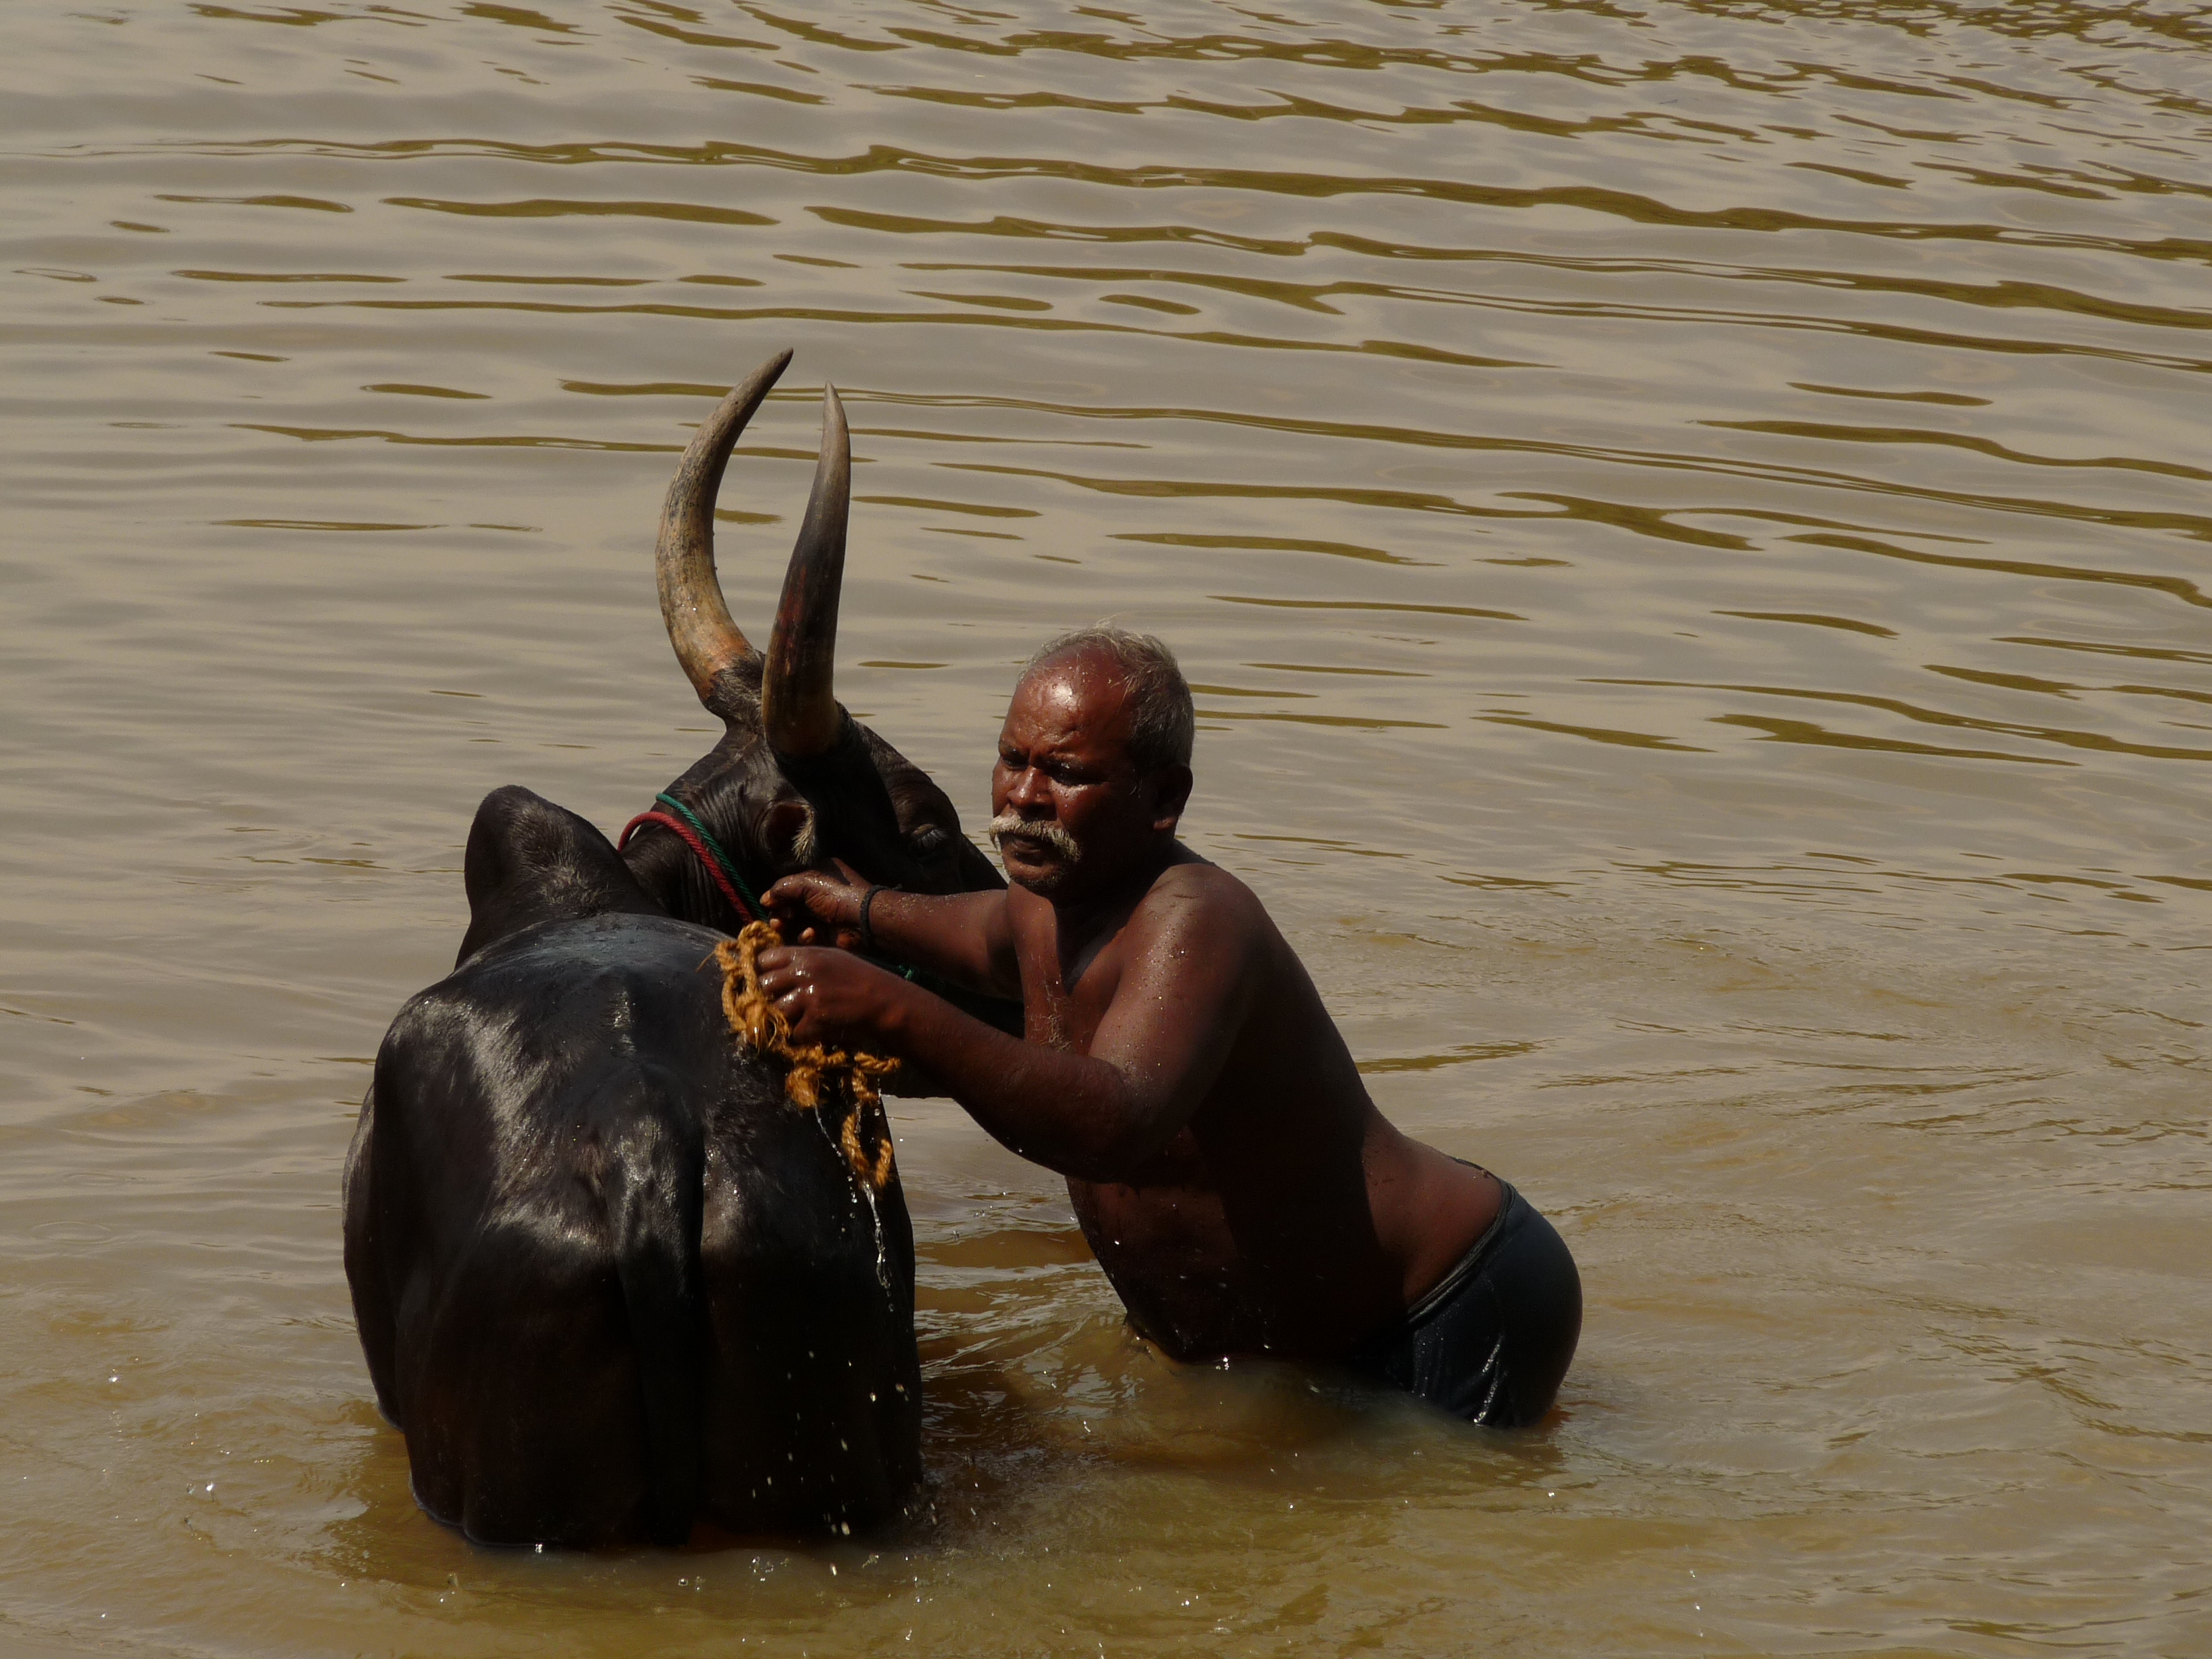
point(815, 907)
point(961, 938)
point(831, 997)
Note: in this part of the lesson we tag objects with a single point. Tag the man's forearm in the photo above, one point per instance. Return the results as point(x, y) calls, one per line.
point(1077, 1115)
point(952, 936)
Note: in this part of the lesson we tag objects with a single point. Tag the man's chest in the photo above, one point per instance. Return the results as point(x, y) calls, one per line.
point(1065, 996)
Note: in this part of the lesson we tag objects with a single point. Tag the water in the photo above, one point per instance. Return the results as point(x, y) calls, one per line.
point(1690, 521)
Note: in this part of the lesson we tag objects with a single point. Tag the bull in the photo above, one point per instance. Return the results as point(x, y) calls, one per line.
point(608, 1281)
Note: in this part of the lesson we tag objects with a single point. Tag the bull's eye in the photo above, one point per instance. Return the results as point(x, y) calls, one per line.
point(932, 839)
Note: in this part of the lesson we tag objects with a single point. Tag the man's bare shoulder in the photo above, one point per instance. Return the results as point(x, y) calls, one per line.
point(1191, 893)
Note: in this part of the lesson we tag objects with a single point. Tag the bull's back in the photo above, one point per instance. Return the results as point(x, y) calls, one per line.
point(604, 1273)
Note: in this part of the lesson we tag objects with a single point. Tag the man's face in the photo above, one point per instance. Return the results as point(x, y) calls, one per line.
point(1069, 812)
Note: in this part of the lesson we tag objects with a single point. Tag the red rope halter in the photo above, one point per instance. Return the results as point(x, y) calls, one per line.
point(698, 851)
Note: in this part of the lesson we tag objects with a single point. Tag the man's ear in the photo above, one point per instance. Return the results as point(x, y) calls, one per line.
point(1170, 789)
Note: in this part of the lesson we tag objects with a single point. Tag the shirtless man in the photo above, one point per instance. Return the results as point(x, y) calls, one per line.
point(1225, 1163)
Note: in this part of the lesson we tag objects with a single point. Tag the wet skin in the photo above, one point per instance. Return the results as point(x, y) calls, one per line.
point(1225, 1163)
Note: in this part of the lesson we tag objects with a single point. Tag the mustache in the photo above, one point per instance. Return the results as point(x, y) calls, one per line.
point(1044, 832)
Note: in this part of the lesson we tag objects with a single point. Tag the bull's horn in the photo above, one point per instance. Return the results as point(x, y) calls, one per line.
point(707, 643)
point(798, 700)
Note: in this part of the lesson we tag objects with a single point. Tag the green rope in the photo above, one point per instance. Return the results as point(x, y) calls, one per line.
point(707, 838)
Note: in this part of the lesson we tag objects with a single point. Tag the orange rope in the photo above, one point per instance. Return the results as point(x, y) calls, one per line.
point(816, 1075)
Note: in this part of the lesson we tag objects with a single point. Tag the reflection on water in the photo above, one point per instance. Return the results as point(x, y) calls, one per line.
point(1688, 521)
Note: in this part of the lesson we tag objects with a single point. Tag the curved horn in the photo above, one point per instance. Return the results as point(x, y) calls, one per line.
point(707, 643)
point(798, 700)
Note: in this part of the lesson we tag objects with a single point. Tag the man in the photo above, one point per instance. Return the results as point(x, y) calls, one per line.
point(1231, 1175)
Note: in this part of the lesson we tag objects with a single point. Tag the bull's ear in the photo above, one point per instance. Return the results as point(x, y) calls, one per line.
point(788, 831)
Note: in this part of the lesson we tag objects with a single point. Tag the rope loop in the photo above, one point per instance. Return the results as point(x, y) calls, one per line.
point(753, 909)
point(815, 1077)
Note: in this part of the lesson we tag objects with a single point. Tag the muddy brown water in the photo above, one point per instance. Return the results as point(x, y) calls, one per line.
point(1690, 523)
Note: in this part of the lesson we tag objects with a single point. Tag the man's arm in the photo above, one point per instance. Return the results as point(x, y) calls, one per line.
point(1183, 996)
point(963, 938)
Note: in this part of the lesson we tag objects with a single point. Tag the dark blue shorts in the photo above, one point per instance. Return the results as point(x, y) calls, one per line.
point(1490, 1340)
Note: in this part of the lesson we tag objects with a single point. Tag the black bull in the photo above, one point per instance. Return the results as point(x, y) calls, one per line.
point(608, 1281)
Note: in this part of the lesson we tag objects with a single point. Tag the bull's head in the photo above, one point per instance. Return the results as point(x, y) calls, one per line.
point(794, 780)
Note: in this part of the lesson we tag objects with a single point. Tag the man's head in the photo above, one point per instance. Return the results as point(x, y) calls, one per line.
point(1094, 761)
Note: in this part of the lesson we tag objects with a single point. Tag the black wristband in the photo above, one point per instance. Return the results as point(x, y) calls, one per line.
point(867, 931)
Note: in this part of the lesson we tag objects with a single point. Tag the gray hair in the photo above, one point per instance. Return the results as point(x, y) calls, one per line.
point(1163, 723)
